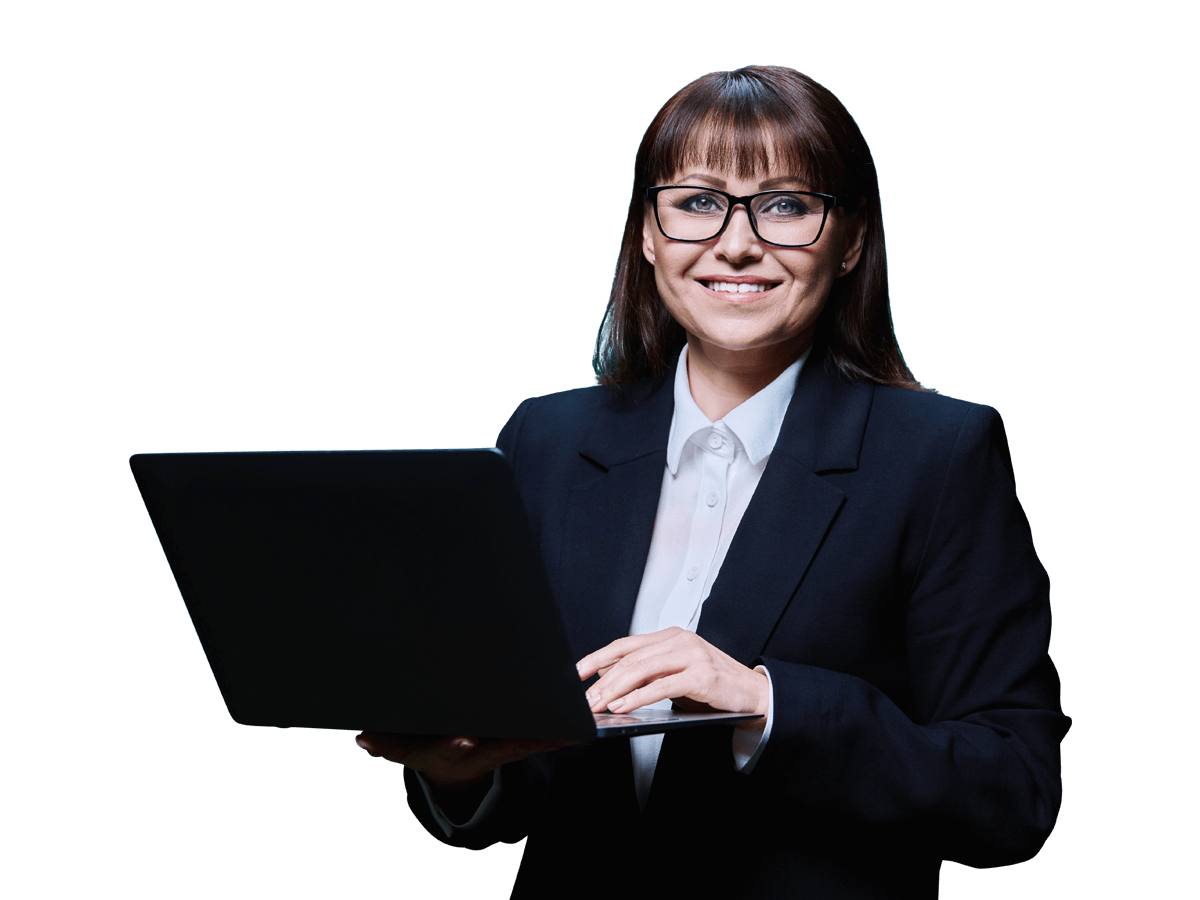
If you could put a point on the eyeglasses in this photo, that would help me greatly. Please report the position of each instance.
(695, 214)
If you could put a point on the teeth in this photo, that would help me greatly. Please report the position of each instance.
(730, 288)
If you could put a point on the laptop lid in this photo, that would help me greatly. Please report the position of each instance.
(391, 590)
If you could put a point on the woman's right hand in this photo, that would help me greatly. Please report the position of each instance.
(451, 762)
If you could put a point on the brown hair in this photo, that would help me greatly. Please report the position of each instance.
(749, 116)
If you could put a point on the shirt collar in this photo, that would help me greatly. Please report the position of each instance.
(755, 423)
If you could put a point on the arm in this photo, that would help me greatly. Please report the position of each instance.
(963, 747)
(974, 763)
(494, 808)
(454, 782)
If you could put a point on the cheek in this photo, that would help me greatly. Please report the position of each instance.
(671, 271)
(813, 278)
(668, 292)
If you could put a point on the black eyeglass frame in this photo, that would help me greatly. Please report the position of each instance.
(829, 201)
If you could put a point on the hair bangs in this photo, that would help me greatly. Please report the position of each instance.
(742, 126)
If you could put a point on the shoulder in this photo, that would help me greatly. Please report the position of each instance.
(567, 418)
(917, 413)
(564, 413)
(579, 401)
(926, 406)
(921, 428)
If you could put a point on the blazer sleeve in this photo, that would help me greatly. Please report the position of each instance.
(522, 788)
(973, 764)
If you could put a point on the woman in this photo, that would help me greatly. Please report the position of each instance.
(760, 510)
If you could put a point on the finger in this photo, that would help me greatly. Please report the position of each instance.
(491, 754)
(602, 659)
(609, 655)
(660, 689)
(416, 751)
(680, 652)
(382, 744)
(636, 670)
(378, 743)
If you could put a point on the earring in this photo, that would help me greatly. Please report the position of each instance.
(843, 265)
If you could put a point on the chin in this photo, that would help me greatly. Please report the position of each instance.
(738, 346)
(744, 344)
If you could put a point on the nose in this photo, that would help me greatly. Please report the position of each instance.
(738, 243)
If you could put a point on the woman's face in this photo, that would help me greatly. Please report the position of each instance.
(703, 284)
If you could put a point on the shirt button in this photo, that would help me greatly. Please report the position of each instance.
(712, 498)
(692, 573)
(716, 441)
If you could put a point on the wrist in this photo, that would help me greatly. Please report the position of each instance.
(459, 800)
(762, 703)
(763, 685)
(456, 785)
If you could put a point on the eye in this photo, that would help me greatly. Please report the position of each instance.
(786, 206)
(698, 203)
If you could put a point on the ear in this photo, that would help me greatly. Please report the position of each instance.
(649, 230)
(856, 229)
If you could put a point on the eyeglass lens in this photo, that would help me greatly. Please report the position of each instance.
(781, 217)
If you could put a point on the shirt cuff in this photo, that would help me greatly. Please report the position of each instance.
(490, 799)
(748, 745)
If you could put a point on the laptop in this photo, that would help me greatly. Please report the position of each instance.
(379, 590)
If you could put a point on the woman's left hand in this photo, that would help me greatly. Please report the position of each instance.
(674, 663)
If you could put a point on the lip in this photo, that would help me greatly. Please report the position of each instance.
(739, 279)
(745, 297)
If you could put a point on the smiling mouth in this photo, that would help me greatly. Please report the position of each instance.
(726, 287)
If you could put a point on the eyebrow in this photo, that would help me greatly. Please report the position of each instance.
(767, 185)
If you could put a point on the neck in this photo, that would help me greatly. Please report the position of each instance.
(722, 380)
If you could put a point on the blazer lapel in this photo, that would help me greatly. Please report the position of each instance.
(792, 509)
(780, 533)
(610, 518)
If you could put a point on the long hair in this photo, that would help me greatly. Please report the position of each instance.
(743, 121)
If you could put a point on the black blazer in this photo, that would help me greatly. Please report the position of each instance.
(885, 575)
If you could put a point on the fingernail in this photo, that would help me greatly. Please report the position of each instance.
(465, 745)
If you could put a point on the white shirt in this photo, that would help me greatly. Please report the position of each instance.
(711, 472)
